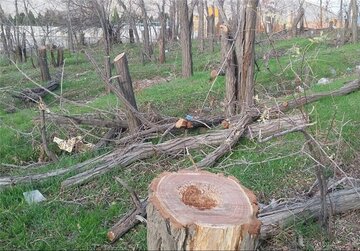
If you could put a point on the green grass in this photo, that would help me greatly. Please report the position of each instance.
(80, 217)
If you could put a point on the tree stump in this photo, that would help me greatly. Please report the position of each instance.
(126, 89)
(44, 68)
(191, 210)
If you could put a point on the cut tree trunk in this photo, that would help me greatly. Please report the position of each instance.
(126, 89)
(191, 210)
(44, 68)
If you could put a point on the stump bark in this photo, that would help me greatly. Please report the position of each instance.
(191, 210)
(44, 68)
(126, 89)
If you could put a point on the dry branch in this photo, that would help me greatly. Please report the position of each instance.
(128, 155)
(298, 102)
(87, 120)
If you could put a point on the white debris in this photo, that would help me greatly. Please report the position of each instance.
(324, 81)
(33, 196)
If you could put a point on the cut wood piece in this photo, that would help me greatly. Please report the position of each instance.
(191, 210)
(181, 123)
(126, 89)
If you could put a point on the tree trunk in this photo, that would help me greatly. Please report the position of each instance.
(185, 37)
(69, 29)
(60, 56)
(354, 19)
(210, 28)
(229, 57)
(44, 68)
(4, 42)
(146, 37)
(131, 36)
(172, 20)
(201, 211)
(245, 51)
(201, 25)
(23, 47)
(162, 34)
(126, 89)
(298, 19)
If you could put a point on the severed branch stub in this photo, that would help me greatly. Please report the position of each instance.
(130, 219)
(191, 210)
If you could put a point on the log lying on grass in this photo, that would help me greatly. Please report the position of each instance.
(191, 210)
(339, 202)
(125, 156)
(35, 94)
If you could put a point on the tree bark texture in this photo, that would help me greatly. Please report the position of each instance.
(162, 33)
(146, 36)
(126, 89)
(44, 68)
(229, 57)
(185, 36)
(201, 25)
(245, 52)
(192, 210)
(354, 20)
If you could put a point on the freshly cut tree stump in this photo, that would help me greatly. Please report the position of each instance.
(196, 210)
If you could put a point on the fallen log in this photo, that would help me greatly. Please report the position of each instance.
(128, 155)
(339, 202)
(34, 94)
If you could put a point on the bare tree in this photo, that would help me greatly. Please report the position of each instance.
(3, 22)
(172, 20)
(354, 19)
(146, 36)
(162, 17)
(210, 20)
(185, 39)
(130, 17)
(201, 25)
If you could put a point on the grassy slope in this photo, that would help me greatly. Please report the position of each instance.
(79, 218)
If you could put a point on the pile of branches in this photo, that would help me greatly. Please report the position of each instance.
(134, 146)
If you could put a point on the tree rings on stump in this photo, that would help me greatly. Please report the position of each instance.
(191, 210)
